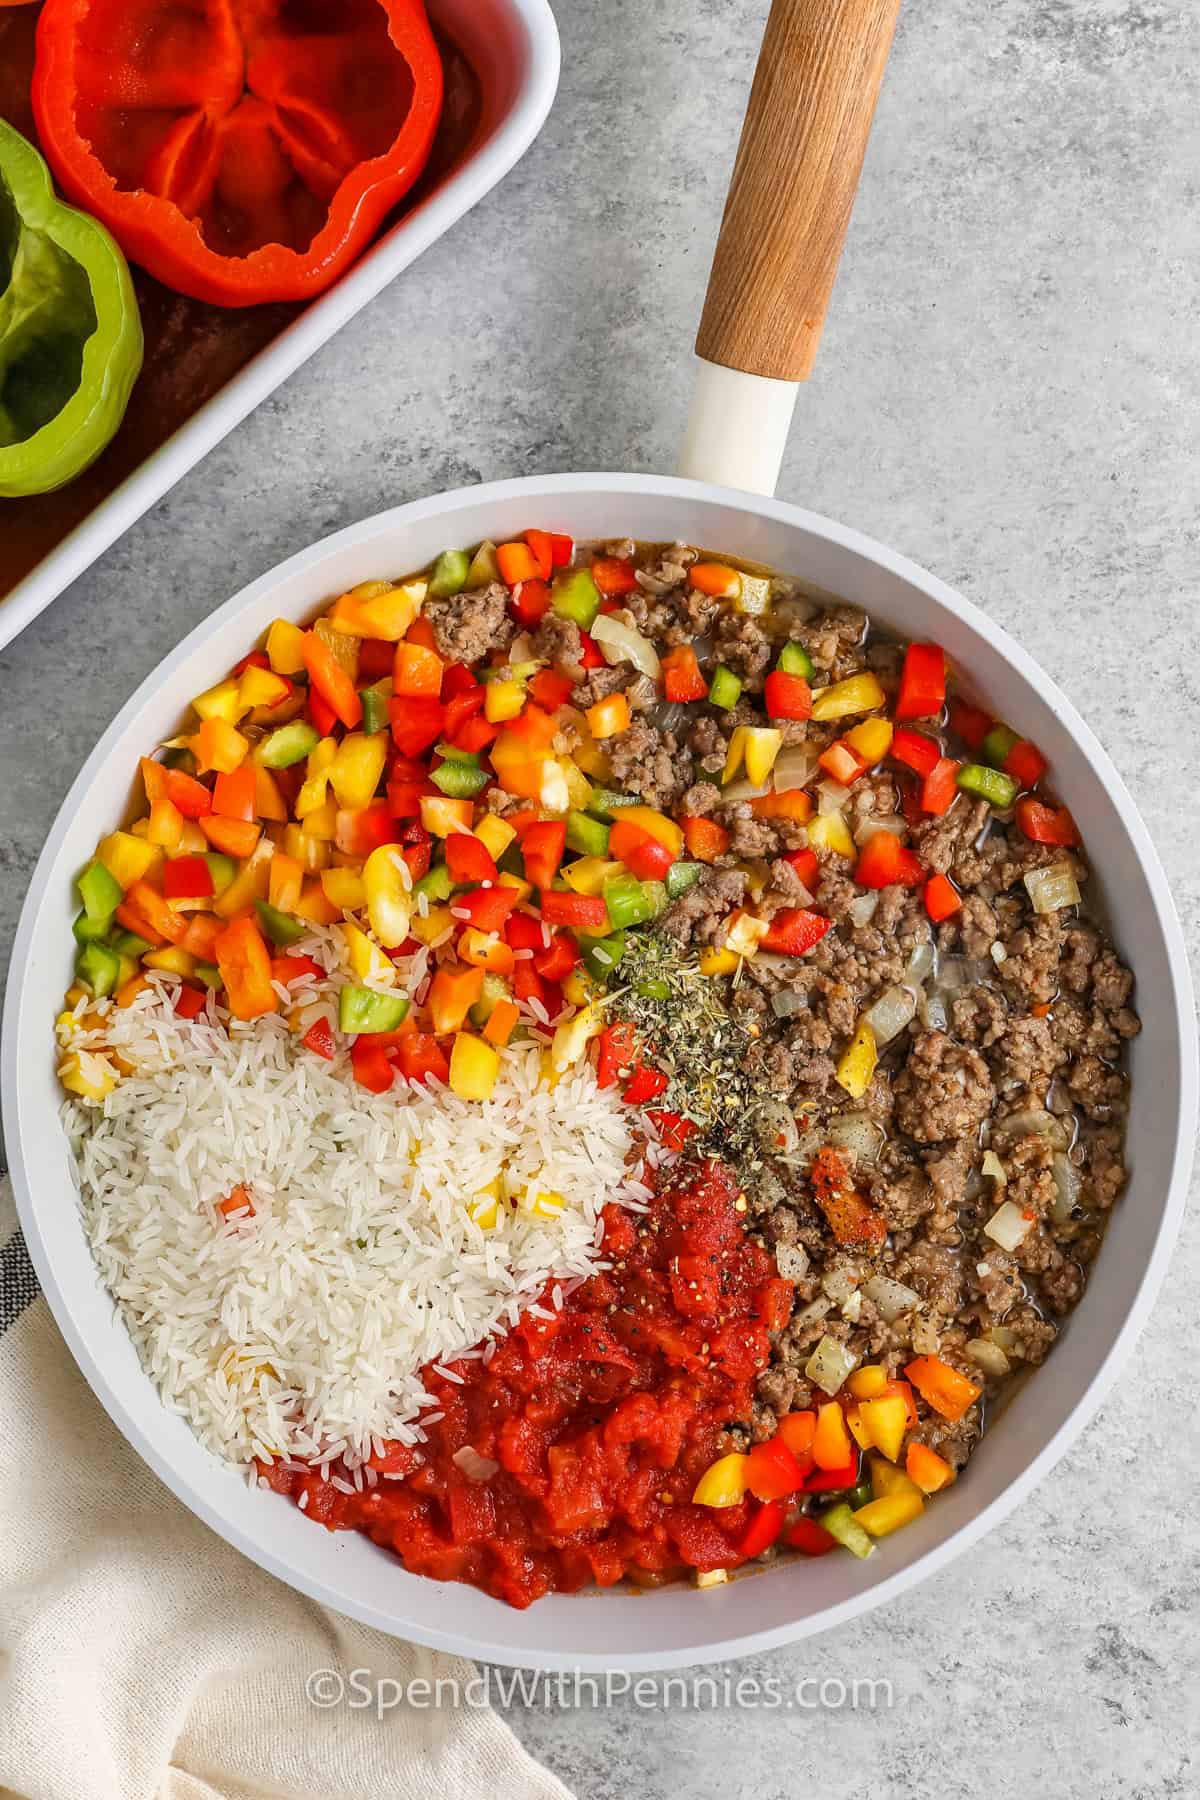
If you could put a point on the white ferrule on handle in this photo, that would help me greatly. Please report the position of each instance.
(738, 427)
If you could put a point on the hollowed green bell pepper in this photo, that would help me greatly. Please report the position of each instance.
(70, 332)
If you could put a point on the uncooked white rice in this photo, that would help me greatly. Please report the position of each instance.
(299, 1332)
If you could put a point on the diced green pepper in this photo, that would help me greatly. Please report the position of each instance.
(602, 954)
(100, 892)
(450, 573)
(460, 780)
(840, 1523)
(90, 931)
(494, 989)
(291, 743)
(576, 597)
(375, 706)
(725, 688)
(795, 660)
(633, 902)
(607, 801)
(221, 868)
(128, 943)
(859, 1496)
(656, 897)
(279, 926)
(997, 789)
(484, 568)
(451, 753)
(210, 975)
(361, 1010)
(99, 968)
(681, 876)
(997, 745)
(588, 836)
(436, 885)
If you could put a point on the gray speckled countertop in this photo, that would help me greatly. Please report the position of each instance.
(1009, 391)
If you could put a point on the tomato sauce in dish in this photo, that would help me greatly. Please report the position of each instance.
(599, 1419)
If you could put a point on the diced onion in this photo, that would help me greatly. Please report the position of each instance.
(988, 1357)
(993, 1168)
(786, 1003)
(792, 1261)
(831, 796)
(839, 1284)
(794, 767)
(1053, 888)
(862, 908)
(1034, 1121)
(852, 1307)
(961, 971)
(810, 1314)
(891, 1297)
(742, 790)
(830, 1364)
(934, 1016)
(474, 1466)
(1003, 1335)
(873, 822)
(919, 966)
(621, 643)
(776, 1129)
(666, 715)
(1008, 1226)
(895, 1008)
(755, 596)
(858, 1133)
(1067, 1182)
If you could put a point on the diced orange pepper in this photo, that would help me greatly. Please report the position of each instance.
(941, 1386)
(797, 1430)
(485, 951)
(236, 837)
(705, 839)
(502, 1023)
(165, 825)
(245, 964)
(831, 1446)
(128, 992)
(421, 632)
(417, 673)
(608, 717)
(452, 995)
(285, 881)
(219, 745)
(795, 804)
(145, 911)
(715, 580)
(234, 794)
(203, 930)
(929, 1470)
(269, 803)
(331, 681)
(517, 562)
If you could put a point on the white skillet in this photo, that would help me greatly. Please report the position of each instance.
(793, 187)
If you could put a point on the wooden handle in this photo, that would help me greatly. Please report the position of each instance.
(794, 181)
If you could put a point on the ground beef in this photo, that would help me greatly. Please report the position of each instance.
(740, 642)
(648, 762)
(750, 836)
(701, 799)
(939, 841)
(468, 626)
(698, 914)
(557, 642)
(709, 744)
(944, 1090)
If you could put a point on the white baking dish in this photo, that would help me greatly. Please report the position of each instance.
(514, 45)
(676, 1625)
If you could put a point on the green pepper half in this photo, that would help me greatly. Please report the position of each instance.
(70, 333)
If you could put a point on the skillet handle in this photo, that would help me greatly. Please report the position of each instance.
(790, 199)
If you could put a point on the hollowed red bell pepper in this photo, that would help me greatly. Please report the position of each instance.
(922, 682)
(240, 153)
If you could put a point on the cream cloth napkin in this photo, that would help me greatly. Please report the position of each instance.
(141, 1658)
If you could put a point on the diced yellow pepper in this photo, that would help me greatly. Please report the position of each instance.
(128, 858)
(315, 786)
(544, 1204)
(723, 1483)
(857, 694)
(554, 793)
(88, 1075)
(495, 834)
(887, 1514)
(503, 700)
(343, 888)
(310, 851)
(322, 823)
(367, 959)
(885, 1420)
(129, 990)
(474, 1067)
(484, 1208)
(315, 906)
(579, 988)
(260, 687)
(657, 824)
(857, 1063)
(285, 648)
(718, 962)
(829, 831)
(192, 841)
(518, 882)
(744, 933)
(756, 746)
(75, 993)
(376, 609)
(710, 1578)
(589, 874)
(868, 1381)
(755, 596)
(435, 923)
(221, 702)
(831, 1440)
(252, 882)
(573, 1036)
(355, 770)
(579, 788)
(886, 1478)
(165, 825)
(871, 740)
(443, 817)
(171, 960)
(388, 904)
(858, 1430)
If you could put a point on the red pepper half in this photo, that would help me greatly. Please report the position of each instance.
(240, 153)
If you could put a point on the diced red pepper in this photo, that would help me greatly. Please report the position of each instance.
(487, 908)
(1046, 824)
(457, 679)
(421, 632)
(787, 696)
(420, 1056)
(190, 1002)
(416, 724)
(562, 548)
(474, 735)
(320, 1040)
(646, 1084)
(772, 1472)
(942, 898)
(616, 1053)
(234, 794)
(806, 866)
(551, 689)
(534, 727)
(292, 968)
(542, 545)
(561, 955)
(1025, 763)
(320, 712)
(236, 837)
(590, 654)
(841, 762)
(763, 1529)
(580, 912)
(254, 659)
(530, 603)
(915, 750)
(330, 680)
(468, 859)
(358, 833)
(809, 1537)
(418, 857)
(186, 794)
(187, 878)
(793, 931)
(922, 682)
(826, 1481)
(145, 911)
(372, 1066)
(970, 723)
(884, 862)
(376, 660)
(940, 786)
(614, 576)
(542, 848)
(705, 839)
(404, 798)
(643, 855)
(682, 680)
(525, 932)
